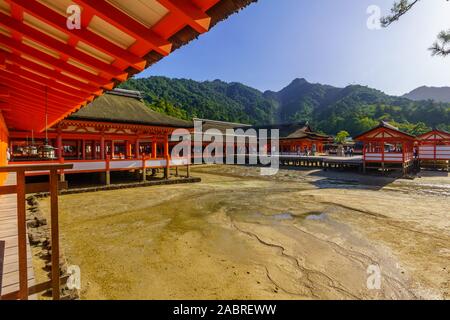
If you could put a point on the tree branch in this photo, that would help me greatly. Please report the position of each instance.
(441, 46)
(398, 10)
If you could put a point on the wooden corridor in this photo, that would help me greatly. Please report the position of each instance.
(9, 265)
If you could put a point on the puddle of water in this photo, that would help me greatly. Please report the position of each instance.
(340, 184)
(317, 216)
(283, 216)
(288, 216)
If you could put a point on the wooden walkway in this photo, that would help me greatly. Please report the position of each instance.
(324, 162)
(9, 266)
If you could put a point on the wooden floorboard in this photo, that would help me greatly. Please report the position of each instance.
(9, 267)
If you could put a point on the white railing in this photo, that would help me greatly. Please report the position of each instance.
(388, 157)
(429, 153)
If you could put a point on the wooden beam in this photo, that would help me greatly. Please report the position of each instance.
(2, 61)
(55, 75)
(59, 21)
(22, 235)
(54, 62)
(61, 47)
(32, 92)
(4, 92)
(35, 167)
(190, 13)
(31, 188)
(18, 83)
(127, 24)
(35, 109)
(48, 82)
(38, 105)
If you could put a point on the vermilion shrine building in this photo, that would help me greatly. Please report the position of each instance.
(116, 132)
(434, 146)
(386, 147)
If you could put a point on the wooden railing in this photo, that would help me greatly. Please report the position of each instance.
(22, 189)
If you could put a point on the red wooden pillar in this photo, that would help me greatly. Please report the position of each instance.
(22, 242)
(83, 151)
(127, 149)
(136, 149)
(404, 152)
(154, 148)
(94, 149)
(166, 156)
(11, 151)
(112, 149)
(144, 169)
(102, 148)
(107, 171)
(166, 146)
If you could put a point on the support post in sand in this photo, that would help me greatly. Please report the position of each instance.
(107, 172)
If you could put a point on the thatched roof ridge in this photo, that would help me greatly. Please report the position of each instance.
(119, 108)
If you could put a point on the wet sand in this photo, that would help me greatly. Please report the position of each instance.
(236, 235)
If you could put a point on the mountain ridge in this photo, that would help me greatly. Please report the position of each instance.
(354, 108)
(438, 94)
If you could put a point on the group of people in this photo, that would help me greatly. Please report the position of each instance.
(307, 151)
(349, 151)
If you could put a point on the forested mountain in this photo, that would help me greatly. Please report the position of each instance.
(437, 94)
(329, 109)
(215, 100)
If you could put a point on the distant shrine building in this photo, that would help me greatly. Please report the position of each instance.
(299, 139)
(434, 146)
(386, 147)
(294, 138)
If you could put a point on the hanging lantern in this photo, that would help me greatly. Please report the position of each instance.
(47, 152)
(33, 151)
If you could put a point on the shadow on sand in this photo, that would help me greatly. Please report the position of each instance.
(351, 180)
(433, 174)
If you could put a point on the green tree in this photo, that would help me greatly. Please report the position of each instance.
(341, 137)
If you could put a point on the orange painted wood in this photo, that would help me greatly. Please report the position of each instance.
(48, 82)
(22, 236)
(62, 48)
(59, 21)
(190, 13)
(54, 62)
(34, 167)
(128, 25)
(54, 233)
(55, 75)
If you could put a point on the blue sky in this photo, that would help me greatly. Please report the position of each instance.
(272, 42)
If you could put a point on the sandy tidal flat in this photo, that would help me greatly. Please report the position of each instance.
(236, 235)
